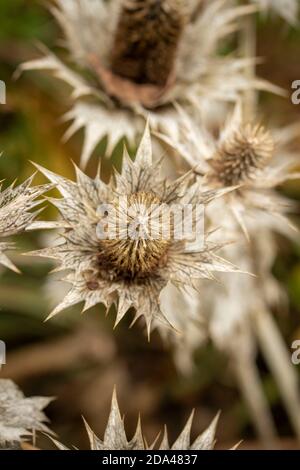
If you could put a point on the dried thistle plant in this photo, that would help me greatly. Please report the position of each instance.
(242, 156)
(140, 56)
(258, 161)
(125, 270)
(245, 155)
(15, 216)
(20, 416)
(115, 436)
(132, 59)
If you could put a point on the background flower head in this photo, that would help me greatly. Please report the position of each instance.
(16, 203)
(127, 66)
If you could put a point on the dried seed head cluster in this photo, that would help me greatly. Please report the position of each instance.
(137, 256)
(242, 156)
(245, 155)
(115, 436)
(19, 416)
(147, 39)
(143, 55)
(129, 271)
(15, 215)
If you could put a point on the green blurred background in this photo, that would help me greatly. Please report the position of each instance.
(77, 358)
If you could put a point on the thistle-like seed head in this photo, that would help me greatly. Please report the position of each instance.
(146, 40)
(123, 241)
(242, 156)
(146, 249)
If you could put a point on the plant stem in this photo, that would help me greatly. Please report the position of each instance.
(248, 51)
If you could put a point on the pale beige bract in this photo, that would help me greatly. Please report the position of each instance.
(115, 436)
(20, 416)
(16, 203)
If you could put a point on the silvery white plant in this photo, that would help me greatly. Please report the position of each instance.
(20, 417)
(122, 69)
(237, 315)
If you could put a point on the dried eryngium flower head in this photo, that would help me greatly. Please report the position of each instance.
(141, 248)
(143, 55)
(15, 215)
(146, 40)
(115, 436)
(19, 416)
(246, 155)
(242, 155)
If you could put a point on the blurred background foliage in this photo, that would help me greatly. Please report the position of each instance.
(77, 358)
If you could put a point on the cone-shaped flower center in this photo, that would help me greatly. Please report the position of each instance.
(146, 40)
(242, 156)
(139, 235)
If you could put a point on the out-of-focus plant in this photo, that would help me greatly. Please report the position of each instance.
(131, 59)
(258, 161)
(288, 9)
(19, 416)
(15, 215)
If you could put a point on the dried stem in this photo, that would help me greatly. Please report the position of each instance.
(276, 354)
(250, 385)
(248, 51)
(279, 361)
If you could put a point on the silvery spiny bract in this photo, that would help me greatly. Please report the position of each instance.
(16, 203)
(115, 436)
(20, 417)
